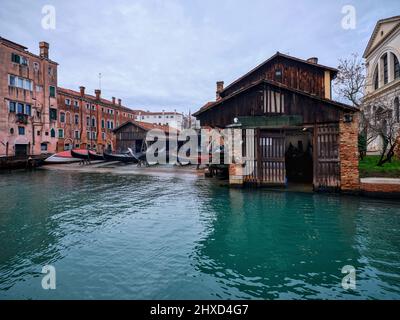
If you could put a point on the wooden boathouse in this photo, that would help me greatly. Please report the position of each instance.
(285, 109)
(132, 134)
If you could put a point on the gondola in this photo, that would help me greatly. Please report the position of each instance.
(95, 156)
(121, 157)
(62, 157)
(80, 154)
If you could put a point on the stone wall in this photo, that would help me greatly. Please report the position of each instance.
(349, 157)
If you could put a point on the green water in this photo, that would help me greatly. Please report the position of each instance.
(171, 237)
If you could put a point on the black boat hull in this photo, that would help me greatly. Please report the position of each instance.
(120, 157)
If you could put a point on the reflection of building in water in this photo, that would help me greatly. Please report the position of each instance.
(269, 244)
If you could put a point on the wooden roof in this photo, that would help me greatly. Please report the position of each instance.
(275, 84)
(285, 56)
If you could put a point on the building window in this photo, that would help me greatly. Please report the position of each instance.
(52, 91)
(11, 106)
(62, 117)
(397, 109)
(60, 133)
(376, 79)
(76, 104)
(88, 135)
(76, 134)
(385, 68)
(76, 119)
(21, 83)
(19, 59)
(43, 147)
(21, 131)
(103, 125)
(93, 121)
(52, 133)
(103, 135)
(94, 135)
(53, 114)
(396, 67)
(28, 109)
(20, 108)
(67, 102)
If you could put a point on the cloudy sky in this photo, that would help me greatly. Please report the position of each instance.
(168, 54)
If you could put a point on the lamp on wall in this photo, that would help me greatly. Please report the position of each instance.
(347, 118)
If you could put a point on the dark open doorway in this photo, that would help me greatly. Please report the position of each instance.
(299, 156)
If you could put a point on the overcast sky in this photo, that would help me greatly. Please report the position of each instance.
(168, 54)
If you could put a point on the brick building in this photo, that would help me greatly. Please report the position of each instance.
(37, 116)
(87, 121)
(28, 88)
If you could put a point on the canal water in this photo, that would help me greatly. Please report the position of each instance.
(147, 237)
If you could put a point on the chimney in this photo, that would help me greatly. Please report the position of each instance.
(119, 102)
(82, 90)
(113, 100)
(313, 60)
(98, 93)
(220, 88)
(44, 49)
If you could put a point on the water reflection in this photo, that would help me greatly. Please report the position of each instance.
(289, 245)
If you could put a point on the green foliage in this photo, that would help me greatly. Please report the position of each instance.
(368, 168)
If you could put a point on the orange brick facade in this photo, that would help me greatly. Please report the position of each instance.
(27, 92)
(37, 117)
(349, 157)
(87, 121)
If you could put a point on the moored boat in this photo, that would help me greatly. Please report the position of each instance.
(95, 156)
(62, 157)
(121, 157)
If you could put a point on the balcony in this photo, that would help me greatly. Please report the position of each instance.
(21, 118)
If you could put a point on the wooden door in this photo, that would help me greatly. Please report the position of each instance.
(326, 157)
(271, 157)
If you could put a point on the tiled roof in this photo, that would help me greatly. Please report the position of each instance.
(148, 126)
(77, 95)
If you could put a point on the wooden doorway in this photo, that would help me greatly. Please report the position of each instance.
(326, 157)
(271, 157)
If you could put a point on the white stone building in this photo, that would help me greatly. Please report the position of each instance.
(172, 119)
(382, 57)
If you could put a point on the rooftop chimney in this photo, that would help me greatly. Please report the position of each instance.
(44, 49)
(113, 100)
(313, 60)
(82, 90)
(119, 102)
(220, 88)
(98, 93)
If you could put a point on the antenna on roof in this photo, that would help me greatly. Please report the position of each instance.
(100, 80)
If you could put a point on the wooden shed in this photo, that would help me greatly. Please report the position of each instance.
(300, 135)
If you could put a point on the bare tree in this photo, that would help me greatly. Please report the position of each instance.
(349, 86)
(382, 123)
(350, 81)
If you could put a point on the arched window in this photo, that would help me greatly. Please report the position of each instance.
(52, 133)
(376, 79)
(76, 119)
(396, 66)
(397, 109)
(62, 117)
(93, 121)
(385, 69)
